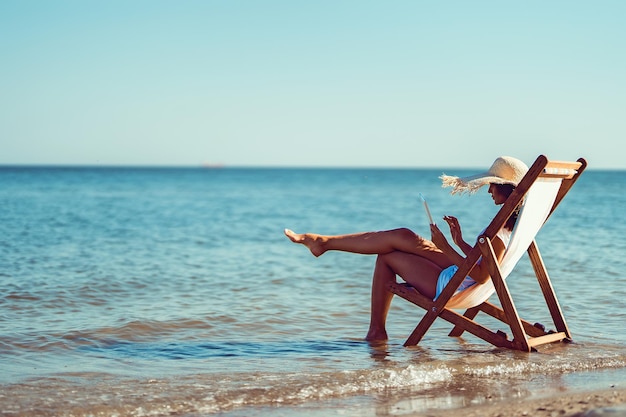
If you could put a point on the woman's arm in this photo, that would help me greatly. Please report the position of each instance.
(479, 272)
(457, 235)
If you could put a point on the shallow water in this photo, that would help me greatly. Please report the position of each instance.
(174, 291)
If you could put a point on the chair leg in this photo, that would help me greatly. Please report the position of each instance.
(412, 295)
(470, 313)
(418, 333)
(547, 289)
(512, 317)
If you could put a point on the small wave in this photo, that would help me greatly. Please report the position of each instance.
(228, 392)
(239, 390)
(287, 373)
(132, 332)
(141, 330)
(210, 393)
(203, 349)
(22, 297)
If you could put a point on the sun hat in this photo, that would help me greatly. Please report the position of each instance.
(504, 170)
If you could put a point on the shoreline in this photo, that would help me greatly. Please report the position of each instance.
(609, 402)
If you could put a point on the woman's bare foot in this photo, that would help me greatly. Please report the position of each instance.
(315, 243)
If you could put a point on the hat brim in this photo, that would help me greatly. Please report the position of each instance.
(472, 183)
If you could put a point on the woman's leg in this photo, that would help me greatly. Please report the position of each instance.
(372, 243)
(380, 300)
(421, 273)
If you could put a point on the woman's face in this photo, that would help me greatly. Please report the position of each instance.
(496, 194)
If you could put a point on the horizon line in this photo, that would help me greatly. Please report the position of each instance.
(210, 167)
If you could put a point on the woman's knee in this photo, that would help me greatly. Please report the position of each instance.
(382, 259)
(392, 261)
(407, 240)
(406, 234)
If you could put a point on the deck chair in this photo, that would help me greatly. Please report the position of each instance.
(539, 193)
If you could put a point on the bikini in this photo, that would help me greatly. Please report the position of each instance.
(446, 275)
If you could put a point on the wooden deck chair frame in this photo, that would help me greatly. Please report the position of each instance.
(525, 335)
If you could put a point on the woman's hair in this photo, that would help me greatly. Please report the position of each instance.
(506, 190)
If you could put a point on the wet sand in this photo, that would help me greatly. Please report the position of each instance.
(604, 403)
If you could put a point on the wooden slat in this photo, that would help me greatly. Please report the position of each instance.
(561, 169)
(564, 164)
(549, 338)
(498, 313)
(477, 330)
(470, 313)
(410, 294)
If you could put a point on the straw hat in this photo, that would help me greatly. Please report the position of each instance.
(504, 170)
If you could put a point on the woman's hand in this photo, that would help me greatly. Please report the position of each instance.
(457, 235)
(437, 237)
(455, 229)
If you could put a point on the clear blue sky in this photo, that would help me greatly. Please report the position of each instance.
(319, 83)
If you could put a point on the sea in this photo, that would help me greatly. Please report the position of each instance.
(170, 291)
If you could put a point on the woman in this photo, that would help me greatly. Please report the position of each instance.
(427, 265)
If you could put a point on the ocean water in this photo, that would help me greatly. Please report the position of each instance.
(145, 291)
